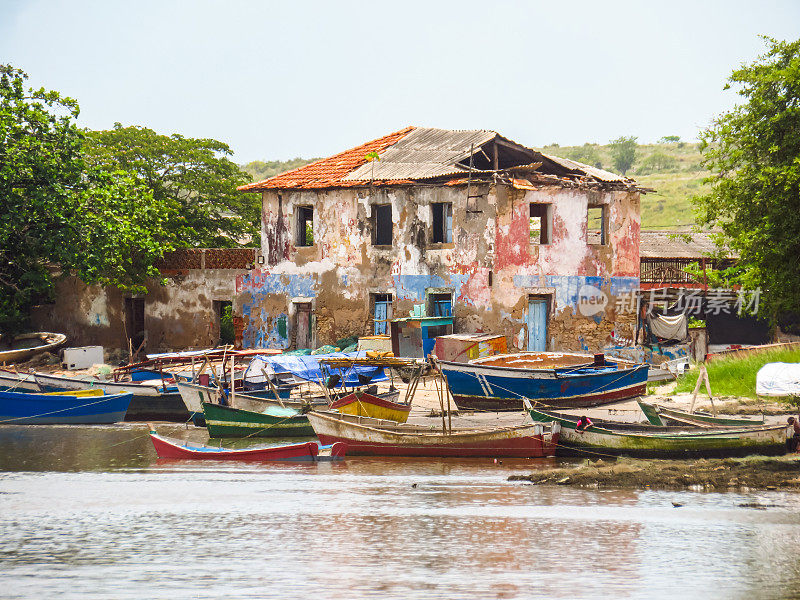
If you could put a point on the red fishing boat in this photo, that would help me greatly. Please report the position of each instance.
(378, 437)
(307, 451)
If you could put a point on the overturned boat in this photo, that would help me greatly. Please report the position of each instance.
(558, 379)
(22, 347)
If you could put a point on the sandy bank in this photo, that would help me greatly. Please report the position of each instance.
(754, 472)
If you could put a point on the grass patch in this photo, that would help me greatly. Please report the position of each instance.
(736, 376)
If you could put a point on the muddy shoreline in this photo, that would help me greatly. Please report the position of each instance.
(752, 472)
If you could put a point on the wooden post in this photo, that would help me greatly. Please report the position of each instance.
(439, 390)
(273, 388)
(708, 389)
(233, 383)
(702, 377)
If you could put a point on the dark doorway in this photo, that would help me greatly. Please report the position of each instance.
(134, 324)
(223, 310)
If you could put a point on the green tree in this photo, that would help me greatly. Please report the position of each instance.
(623, 153)
(657, 162)
(753, 152)
(192, 174)
(669, 139)
(57, 212)
(586, 154)
(260, 170)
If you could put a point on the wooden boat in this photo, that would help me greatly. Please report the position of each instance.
(599, 441)
(151, 401)
(27, 345)
(379, 437)
(307, 451)
(499, 383)
(11, 380)
(661, 415)
(224, 421)
(23, 408)
(367, 405)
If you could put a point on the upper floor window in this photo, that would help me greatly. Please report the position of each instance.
(382, 224)
(442, 223)
(597, 224)
(539, 223)
(305, 226)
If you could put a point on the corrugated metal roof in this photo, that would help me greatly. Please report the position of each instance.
(422, 154)
(671, 244)
(588, 169)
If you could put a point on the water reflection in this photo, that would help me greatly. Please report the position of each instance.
(90, 513)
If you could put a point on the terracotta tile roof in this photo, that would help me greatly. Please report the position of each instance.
(328, 172)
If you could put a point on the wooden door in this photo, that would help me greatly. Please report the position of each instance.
(303, 321)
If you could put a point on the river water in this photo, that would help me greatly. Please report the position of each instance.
(90, 512)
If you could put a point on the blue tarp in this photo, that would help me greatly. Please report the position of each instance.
(308, 368)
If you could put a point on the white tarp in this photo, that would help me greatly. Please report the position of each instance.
(778, 379)
(669, 328)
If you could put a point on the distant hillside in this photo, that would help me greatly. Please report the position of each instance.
(672, 169)
(261, 170)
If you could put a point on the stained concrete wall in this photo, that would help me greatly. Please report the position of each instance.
(491, 267)
(177, 316)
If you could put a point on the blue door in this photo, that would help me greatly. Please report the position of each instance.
(381, 316)
(537, 324)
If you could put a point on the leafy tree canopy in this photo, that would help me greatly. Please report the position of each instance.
(194, 175)
(753, 152)
(261, 170)
(55, 209)
(623, 153)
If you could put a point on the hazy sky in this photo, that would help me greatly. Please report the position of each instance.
(279, 80)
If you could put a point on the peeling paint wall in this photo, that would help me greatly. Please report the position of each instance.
(177, 316)
(491, 267)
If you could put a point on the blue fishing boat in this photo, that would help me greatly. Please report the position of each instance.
(554, 379)
(18, 408)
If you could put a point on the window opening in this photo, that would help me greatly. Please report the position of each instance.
(305, 225)
(382, 224)
(441, 305)
(596, 225)
(442, 222)
(540, 223)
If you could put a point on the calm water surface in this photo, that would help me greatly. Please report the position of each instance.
(89, 512)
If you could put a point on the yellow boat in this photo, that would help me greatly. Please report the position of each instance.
(367, 405)
(77, 393)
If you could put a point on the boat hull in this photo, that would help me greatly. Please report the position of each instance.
(599, 441)
(10, 380)
(367, 405)
(307, 451)
(148, 402)
(47, 341)
(379, 438)
(657, 414)
(480, 387)
(224, 421)
(21, 408)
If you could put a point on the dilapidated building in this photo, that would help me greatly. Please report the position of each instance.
(511, 240)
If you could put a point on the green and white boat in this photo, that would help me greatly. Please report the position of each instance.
(658, 414)
(273, 421)
(694, 442)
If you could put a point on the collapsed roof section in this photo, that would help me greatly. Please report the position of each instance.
(419, 155)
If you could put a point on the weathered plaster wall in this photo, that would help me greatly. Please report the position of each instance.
(177, 316)
(491, 266)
